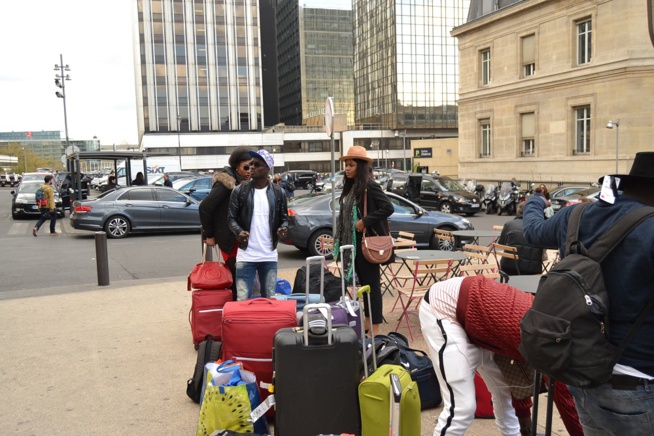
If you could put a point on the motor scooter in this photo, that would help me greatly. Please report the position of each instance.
(490, 198)
(507, 199)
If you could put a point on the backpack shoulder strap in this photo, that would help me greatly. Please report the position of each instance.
(573, 226)
(618, 231)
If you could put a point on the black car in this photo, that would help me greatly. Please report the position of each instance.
(23, 203)
(67, 188)
(435, 193)
(304, 179)
(310, 217)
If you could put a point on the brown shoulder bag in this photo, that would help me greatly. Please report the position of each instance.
(376, 249)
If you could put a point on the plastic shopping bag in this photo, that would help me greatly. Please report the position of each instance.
(231, 393)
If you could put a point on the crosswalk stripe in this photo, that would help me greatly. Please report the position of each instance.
(18, 228)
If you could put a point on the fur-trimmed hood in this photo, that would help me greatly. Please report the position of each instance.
(225, 178)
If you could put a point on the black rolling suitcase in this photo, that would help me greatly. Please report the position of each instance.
(316, 384)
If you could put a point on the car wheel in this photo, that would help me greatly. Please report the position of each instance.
(117, 227)
(499, 211)
(446, 207)
(440, 244)
(316, 248)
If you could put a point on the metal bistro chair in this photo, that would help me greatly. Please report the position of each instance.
(477, 254)
(446, 240)
(405, 241)
(416, 289)
(507, 252)
(327, 245)
(487, 270)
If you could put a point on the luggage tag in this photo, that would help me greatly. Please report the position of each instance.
(349, 308)
(262, 408)
(609, 189)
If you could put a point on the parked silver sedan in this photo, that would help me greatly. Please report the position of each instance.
(120, 212)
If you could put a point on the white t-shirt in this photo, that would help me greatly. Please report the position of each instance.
(260, 240)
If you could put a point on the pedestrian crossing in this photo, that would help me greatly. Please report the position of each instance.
(24, 227)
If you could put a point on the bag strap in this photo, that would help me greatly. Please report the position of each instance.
(204, 253)
(618, 231)
(573, 226)
(632, 330)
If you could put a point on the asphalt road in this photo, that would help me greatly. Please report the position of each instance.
(67, 263)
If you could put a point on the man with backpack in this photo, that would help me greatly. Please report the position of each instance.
(46, 203)
(620, 401)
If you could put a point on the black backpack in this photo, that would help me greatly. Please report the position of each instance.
(565, 334)
(208, 351)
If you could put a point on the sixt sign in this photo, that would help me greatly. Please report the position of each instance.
(422, 152)
(156, 169)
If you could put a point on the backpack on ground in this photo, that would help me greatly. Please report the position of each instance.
(332, 283)
(208, 351)
(41, 199)
(565, 334)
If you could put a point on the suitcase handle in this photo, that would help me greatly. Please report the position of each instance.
(260, 301)
(316, 259)
(305, 315)
(366, 290)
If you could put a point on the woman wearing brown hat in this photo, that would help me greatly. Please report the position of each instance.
(351, 222)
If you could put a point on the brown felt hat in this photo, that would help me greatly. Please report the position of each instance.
(356, 152)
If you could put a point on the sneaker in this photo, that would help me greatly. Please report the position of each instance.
(55, 233)
(34, 231)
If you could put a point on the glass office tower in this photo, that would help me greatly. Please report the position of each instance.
(406, 62)
(198, 66)
(315, 58)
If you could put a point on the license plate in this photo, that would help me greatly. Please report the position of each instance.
(476, 205)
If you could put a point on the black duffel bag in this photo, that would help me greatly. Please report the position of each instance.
(422, 371)
(333, 288)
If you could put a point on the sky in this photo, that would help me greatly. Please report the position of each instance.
(95, 39)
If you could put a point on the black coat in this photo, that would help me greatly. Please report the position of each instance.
(379, 209)
(213, 210)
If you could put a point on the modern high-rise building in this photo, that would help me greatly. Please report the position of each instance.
(406, 63)
(314, 58)
(198, 66)
(46, 143)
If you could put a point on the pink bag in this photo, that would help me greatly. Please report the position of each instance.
(209, 274)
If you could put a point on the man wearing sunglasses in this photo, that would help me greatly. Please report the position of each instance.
(258, 217)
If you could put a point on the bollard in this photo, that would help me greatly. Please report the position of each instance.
(102, 258)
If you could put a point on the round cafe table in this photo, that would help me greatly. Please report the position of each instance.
(474, 234)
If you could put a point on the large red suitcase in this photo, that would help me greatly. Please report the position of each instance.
(206, 314)
(248, 331)
(484, 400)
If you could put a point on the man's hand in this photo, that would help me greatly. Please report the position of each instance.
(210, 242)
(243, 236)
(282, 232)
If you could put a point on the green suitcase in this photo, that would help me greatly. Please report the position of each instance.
(375, 402)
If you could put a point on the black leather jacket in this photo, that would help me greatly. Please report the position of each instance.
(241, 208)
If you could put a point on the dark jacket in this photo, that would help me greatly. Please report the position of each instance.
(379, 209)
(628, 270)
(213, 209)
(530, 258)
(241, 208)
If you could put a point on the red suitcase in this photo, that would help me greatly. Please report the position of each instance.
(206, 314)
(248, 331)
(484, 400)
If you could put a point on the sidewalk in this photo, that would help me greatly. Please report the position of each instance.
(114, 361)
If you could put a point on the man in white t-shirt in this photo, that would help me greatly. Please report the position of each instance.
(258, 217)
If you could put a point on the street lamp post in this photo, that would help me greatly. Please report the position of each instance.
(60, 82)
(617, 139)
(25, 158)
(179, 144)
(397, 133)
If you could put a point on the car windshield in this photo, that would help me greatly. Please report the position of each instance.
(30, 187)
(450, 185)
(506, 187)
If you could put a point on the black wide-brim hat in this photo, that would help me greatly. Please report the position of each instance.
(642, 170)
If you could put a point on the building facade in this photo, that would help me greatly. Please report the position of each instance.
(540, 83)
(46, 143)
(406, 62)
(315, 59)
(198, 66)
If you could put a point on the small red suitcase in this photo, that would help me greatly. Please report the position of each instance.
(484, 400)
(206, 314)
(248, 331)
